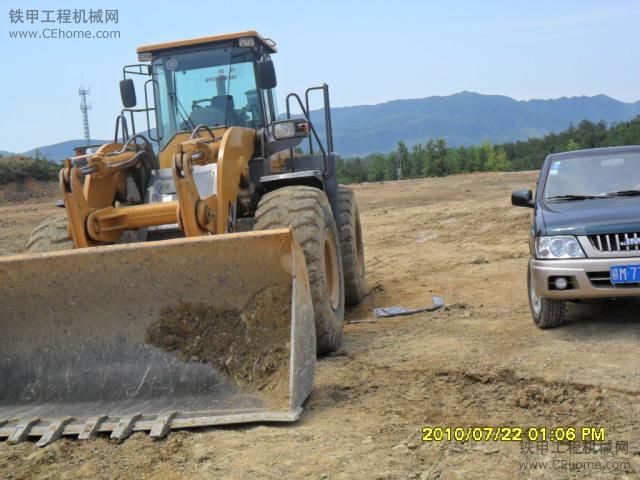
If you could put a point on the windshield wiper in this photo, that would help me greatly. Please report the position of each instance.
(624, 193)
(574, 197)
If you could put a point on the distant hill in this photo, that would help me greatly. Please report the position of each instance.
(464, 118)
(62, 150)
(58, 151)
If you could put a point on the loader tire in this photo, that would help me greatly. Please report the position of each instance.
(307, 211)
(351, 246)
(50, 235)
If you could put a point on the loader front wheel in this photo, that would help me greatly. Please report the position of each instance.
(351, 246)
(307, 211)
(50, 235)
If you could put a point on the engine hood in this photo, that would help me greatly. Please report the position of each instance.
(591, 217)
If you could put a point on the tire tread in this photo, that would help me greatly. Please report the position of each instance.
(348, 217)
(307, 211)
(50, 235)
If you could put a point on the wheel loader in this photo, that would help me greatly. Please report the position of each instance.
(198, 266)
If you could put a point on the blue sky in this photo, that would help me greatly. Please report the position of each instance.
(368, 51)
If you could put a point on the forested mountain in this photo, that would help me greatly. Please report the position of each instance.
(465, 118)
(435, 158)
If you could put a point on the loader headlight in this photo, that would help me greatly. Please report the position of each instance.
(249, 42)
(283, 130)
(565, 246)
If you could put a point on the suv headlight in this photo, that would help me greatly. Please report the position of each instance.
(558, 247)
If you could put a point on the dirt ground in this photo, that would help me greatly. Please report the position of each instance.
(478, 362)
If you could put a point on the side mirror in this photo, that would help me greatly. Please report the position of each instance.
(128, 93)
(522, 198)
(266, 74)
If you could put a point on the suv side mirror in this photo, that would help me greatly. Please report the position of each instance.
(128, 93)
(266, 74)
(522, 198)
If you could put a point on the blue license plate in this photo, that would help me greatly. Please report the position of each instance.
(625, 274)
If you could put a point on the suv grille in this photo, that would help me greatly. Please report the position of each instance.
(616, 242)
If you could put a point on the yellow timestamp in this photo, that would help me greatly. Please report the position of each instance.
(513, 434)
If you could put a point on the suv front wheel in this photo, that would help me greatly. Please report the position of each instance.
(546, 313)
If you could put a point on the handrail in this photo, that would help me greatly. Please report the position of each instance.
(144, 70)
(313, 130)
(148, 109)
(196, 131)
(327, 115)
(121, 119)
(140, 66)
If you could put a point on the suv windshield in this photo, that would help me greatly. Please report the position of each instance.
(601, 176)
(211, 87)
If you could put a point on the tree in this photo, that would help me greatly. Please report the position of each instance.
(497, 161)
(484, 152)
(379, 168)
(402, 154)
(462, 156)
(572, 145)
(436, 158)
(351, 170)
(416, 161)
(473, 159)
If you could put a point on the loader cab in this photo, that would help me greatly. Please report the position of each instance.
(213, 87)
(221, 81)
(212, 83)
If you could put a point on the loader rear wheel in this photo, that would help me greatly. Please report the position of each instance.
(351, 246)
(50, 235)
(308, 212)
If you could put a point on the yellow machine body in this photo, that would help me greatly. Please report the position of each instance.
(211, 328)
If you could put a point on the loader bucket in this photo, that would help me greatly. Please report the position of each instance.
(154, 336)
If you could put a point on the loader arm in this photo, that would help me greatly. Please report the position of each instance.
(98, 191)
(233, 163)
(95, 220)
(216, 213)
